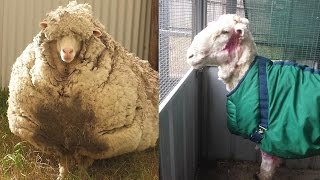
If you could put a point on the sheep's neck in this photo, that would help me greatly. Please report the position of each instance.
(232, 71)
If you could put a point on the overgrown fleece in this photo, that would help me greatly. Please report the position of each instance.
(102, 104)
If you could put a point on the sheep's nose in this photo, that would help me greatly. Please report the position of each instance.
(190, 53)
(68, 50)
(239, 31)
(190, 56)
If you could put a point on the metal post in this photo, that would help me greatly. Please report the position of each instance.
(199, 20)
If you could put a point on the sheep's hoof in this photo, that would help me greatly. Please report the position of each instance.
(60, 177)
(259, 176)
(63, 171)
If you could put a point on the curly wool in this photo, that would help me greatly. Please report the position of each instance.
(102, 104)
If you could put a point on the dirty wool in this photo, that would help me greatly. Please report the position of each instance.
(100, 105)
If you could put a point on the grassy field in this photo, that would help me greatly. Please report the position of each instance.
(19, 160)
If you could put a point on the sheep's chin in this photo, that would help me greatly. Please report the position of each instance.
(197, 64)
(67, 60)
(218, 58)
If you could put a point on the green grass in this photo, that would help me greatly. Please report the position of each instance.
(15, 159)
(19, 160)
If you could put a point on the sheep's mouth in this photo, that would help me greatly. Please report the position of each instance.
(232, 44)
(198, 63)
(67, 60)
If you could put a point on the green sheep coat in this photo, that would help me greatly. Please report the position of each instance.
(287, 96)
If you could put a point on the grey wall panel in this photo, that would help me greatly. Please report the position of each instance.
(179, 131)
(128, 21)
(220, 142)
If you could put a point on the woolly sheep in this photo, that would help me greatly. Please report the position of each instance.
(267, 101)
(79, 95)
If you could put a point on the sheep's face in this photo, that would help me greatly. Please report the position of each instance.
(68, 47)
(217, 43)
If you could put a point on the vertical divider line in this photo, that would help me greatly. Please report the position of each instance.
(2, 25)
(199, 22)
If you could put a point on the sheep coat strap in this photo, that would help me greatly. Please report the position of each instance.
(293, 108)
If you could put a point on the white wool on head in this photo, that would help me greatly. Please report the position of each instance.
(207, 48)
(74, 19)
(225, 42)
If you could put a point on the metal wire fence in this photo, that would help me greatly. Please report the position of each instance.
(282, 29)
(175, 31)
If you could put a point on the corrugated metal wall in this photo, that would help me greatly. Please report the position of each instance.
(218, 141)
(128, 21)
(179, 130)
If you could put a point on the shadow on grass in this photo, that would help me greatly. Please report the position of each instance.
(4, 93)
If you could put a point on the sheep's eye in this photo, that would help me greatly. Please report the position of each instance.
(224, 32)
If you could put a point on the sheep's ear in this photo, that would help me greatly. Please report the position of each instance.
(43, 25)
(237, 18)
(245, 21)
(97, 33)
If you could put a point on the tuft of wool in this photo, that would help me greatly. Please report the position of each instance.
(102, 104)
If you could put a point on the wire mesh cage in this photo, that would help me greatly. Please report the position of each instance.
(216, 8)
(282, 29)
(175, 36)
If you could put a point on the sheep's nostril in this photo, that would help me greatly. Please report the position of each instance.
(239, 31)
(191, 56)
(67, 50)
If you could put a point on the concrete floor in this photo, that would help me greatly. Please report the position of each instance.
(245, 170)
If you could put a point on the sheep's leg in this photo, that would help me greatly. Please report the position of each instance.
(63, 167)
(268, 166)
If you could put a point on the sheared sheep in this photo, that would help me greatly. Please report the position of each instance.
(79, 95)
(274, 104)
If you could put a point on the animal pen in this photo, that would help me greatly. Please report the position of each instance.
(193, 130)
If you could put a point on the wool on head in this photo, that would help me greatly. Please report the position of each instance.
(74, 19)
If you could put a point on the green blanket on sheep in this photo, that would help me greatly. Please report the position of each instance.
(293, 108)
